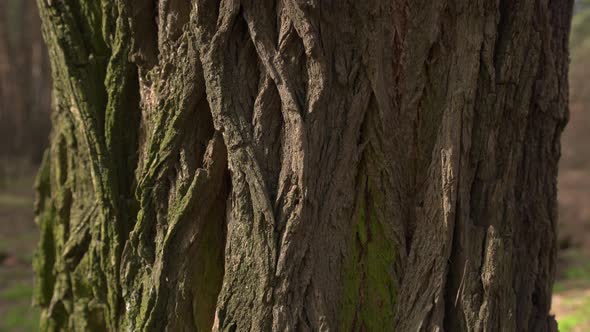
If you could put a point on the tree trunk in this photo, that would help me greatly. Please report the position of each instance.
(7, 88)
(259, 165)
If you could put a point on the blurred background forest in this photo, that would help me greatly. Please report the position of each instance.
(25, 105)
(25, 108)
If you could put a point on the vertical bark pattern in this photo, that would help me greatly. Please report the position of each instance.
(244, 165)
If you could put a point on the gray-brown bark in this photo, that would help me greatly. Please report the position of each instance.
(302, 165)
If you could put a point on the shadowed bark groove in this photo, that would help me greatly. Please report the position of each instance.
(243, 165)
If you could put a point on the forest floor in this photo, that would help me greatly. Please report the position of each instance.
(571, 300)
(571, 297)
(19, 235)
(18, 239)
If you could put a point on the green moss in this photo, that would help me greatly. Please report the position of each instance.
(377, 310)
(44, 259)
(370, 286)
(92, 165)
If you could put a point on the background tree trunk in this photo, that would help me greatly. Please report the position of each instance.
(25, 92)
(7, 90)
(302, 165)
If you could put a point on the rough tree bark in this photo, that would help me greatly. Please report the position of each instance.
(260, 165)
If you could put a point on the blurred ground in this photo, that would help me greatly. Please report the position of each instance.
(571, 298)
(18, 237)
